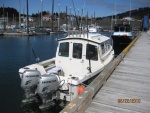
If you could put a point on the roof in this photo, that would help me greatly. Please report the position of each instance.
(122, 25)
(47, 15)
(92, 37)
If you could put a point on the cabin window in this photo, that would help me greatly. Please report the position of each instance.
(121, 28)
(91, 52)
(64, 49)
(128, 29)
(77, 50)
(116, 29)
(108, 43)
(103, 48)
(106, 46)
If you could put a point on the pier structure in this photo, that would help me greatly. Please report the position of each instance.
(122, 87)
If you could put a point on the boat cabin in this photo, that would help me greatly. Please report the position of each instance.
(122, 28)
(80, 56)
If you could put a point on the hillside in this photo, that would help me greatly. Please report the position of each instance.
(137, 14)
(9, 11)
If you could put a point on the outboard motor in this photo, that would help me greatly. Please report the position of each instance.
(29, 81)
(47, 89)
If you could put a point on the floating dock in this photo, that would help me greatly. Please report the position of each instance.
(122, 87)
(18, 34)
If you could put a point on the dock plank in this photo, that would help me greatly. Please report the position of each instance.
(104, 108)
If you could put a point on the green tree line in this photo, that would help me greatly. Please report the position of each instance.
(10, 11)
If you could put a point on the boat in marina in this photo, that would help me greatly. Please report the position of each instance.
(79, 58)
(122, 34)
(97, 27)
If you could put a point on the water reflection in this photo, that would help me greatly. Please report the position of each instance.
(34, 108)
(16, 52)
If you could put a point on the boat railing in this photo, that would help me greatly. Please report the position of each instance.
(76, 33)
(46, 63)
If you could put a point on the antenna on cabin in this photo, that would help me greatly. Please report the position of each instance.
(35, 56)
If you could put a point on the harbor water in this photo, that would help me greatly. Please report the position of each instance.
(17, 52)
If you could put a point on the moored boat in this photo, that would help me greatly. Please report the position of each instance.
(122, 34)
(79, 57)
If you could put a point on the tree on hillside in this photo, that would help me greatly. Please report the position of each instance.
(10, 11)
(39, 14)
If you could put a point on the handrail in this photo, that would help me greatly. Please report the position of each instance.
(76, 33)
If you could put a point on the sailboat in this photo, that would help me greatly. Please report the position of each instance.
(80, 57)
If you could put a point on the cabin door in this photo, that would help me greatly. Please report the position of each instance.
(63, 57)
(77, 60)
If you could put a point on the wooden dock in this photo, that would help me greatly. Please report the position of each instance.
(122, 87)
(128, 88)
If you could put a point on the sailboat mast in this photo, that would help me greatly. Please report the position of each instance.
(75, 14)
(115, 13)
(130, 14)
(19, 16)
(112, 21)
(87, 24)
(94, 18)
(27, 18)
(42, 14)
(82, 14)
(52, 13)
(66, 18)
(81, 19)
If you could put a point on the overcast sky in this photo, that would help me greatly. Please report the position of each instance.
(100, 7)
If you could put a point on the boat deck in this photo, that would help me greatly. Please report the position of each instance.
(128, 88)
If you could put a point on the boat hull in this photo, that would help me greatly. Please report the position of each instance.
(117, 40)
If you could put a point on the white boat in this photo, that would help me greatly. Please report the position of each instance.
(122, 34)
(79, 57)
(97, 27)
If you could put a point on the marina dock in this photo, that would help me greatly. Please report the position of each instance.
(122, 87)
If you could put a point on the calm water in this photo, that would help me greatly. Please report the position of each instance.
(16, 52)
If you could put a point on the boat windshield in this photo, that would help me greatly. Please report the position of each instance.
(77, 50)
(64, 49)
(122, 28)
(116, 29)
(128, 29)
(91, 52)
